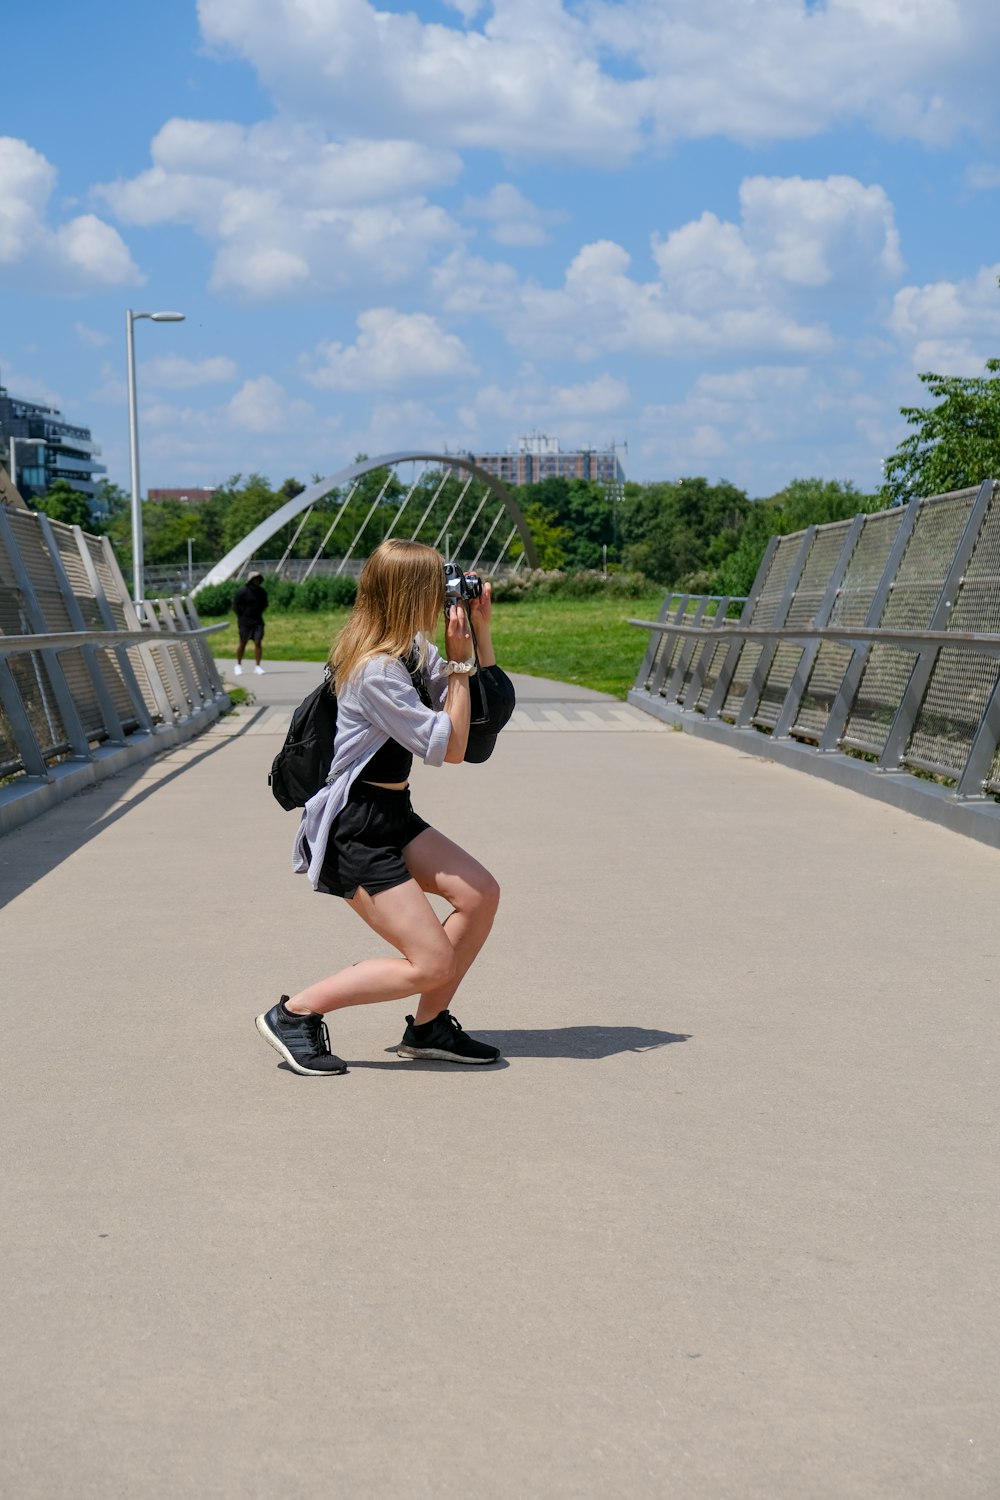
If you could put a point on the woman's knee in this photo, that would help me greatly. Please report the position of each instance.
(436, 967)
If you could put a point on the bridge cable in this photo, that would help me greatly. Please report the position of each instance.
(451, 514)
(333, 525)
(361, 529)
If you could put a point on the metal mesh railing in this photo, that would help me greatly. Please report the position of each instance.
(78, 668)
(878, 636)
(763, 608)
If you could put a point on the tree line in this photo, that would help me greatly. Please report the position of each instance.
(686, 532)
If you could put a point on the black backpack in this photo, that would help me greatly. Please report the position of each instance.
(302, 764)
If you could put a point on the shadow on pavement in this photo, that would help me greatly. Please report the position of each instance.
(579, 1041)
(63, 829)
(563, 1041)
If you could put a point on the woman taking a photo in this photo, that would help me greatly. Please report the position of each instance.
(360, 838)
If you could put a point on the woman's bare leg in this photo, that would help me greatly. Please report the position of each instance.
(446, 869)
(406, 919)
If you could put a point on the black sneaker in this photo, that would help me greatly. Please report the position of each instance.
(303, 1041)
(443, 1040)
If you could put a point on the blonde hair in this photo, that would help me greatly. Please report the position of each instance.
(400, 596)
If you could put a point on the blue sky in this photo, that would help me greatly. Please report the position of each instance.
(725, 233)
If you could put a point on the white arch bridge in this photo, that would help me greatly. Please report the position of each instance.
(480, 509)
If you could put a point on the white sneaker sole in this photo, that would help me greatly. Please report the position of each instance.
(438, 1054)
(296, 1067)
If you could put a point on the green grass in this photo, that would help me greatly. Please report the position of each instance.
(570, 640)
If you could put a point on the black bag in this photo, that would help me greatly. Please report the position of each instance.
(302, 764)
(493, 702)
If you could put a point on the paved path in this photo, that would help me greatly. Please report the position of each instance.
(722, 1227)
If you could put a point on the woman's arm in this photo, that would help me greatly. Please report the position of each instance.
(480, 611)
(457, 703)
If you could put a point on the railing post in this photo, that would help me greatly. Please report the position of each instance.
(707, 652)
(972, 782)
(851, 681)
(187, 612)
(755, 687)
(154, 672)
(803, 671)
(661, 665)
(721, 689)
(684, 656)
(913, 694)
(656, 643)
(68, 712)
(112, 723)
(192, 687)
(121, 652)
(28, 747)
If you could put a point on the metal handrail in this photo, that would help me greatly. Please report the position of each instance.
(65, 640)
(911, 640)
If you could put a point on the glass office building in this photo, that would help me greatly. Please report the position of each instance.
(61, 449)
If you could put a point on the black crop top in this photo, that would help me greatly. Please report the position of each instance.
(391, 762)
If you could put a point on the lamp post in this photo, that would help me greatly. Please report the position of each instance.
(138, 579)
(31, 442)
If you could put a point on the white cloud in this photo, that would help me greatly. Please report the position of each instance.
(392, 349)
(721, 286)
(532, 403)
(795, 232)
(289, 212)
(82, 254)
(262, 405)
(529, 81)
(174, 372)
(95, 338)
(513, 218)
(982, 177)
(950, 327)
(782, 421)
(549, 79)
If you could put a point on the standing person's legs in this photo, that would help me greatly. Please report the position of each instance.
(240, 649)
(258, 640)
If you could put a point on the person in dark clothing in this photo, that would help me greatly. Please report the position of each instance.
(250, 603)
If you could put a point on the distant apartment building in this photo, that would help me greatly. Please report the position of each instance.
(193, 495)
(537, 458)
(46, 448)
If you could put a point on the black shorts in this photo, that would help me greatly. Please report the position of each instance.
(366, 842)
(250, 630)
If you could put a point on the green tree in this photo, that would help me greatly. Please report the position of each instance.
(63, 503)
(676, 529)
(249, 504)
(954, 444)
(549, 537)
(802, 503)
(111, 499)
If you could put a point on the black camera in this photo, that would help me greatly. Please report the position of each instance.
(460, 587)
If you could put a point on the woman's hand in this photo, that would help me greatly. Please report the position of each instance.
(457, 636)
(480, 609)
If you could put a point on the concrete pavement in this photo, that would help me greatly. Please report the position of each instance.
(722, 1226)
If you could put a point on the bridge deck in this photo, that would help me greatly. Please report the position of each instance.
(723, 1225)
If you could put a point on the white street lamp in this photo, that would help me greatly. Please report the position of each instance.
(29, 442)
(138, 578)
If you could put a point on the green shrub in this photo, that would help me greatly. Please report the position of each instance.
(216, 598)
(316, 594)
(343, 590)
(585, 584)
(280, 593)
